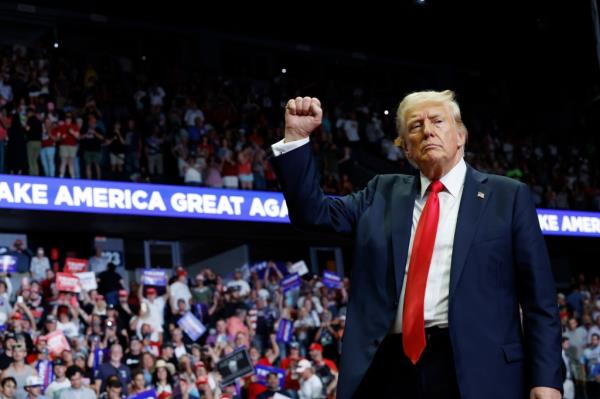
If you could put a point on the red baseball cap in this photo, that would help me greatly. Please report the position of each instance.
(151, 291)
(123, 293)
(316, 347)
(181, 272)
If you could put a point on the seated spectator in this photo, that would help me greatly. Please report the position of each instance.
(113, 367)
(311, 386)
(9, 388)
(162, 379)
(60, 382)
(33, 387)
(113, 389)
(77, 390)
(138, 383)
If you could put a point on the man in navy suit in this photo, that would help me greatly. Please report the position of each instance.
(452, 294)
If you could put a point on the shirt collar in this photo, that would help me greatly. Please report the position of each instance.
(452, 181)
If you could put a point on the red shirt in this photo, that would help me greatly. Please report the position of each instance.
(230, 169)
(66, 137)
(48, 140)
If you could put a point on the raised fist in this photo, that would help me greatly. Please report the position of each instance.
(302, 116)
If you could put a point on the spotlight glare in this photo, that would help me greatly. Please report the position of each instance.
(55, 44)
(283, 70)
(386, 112)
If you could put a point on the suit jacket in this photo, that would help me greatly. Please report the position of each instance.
(499, 265)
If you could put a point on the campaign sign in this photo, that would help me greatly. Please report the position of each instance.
(57, 343)
(285, 331)
(87, 280)
(74, 265)
(235, 365)
(8, 264)
(156, 277)
(67, 282)
(291, 281)
(331, 280)
(148, 394)
(300, 268)
(192, 326)
(263, 371)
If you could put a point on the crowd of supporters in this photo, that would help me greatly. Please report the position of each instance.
(123, 339)
(63, 117)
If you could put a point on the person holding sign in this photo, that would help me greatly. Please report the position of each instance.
(433, 253)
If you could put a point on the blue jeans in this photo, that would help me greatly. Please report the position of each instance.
(48, 164)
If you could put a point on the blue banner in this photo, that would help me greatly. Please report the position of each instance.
(291, 281)
(156, 277)
(72, 195)
(263, 371)
(116, 198)
(569, 223)
(285, 331)
(331, 280)
(149, 394)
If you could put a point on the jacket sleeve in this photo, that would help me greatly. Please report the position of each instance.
(537, 296)
(308, 206)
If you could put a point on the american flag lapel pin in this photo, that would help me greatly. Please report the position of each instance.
(480, 194)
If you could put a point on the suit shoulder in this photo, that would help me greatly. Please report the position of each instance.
(393, 178)
(502, 182)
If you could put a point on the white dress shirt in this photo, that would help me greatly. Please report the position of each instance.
(438, 279)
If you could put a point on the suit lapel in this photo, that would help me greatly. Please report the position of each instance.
(474, 197)
(403, 202)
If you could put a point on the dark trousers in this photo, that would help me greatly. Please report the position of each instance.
(392, 374)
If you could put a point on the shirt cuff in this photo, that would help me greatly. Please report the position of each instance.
(281, 148)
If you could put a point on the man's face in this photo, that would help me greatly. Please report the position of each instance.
(19, 353)
(76, 380)
(59, 371)
(177, 335)
(35, 391)
(116, 353)
(114, 392)
(136, 347)
(273, 381)
(595, 340)
(316, 355)
(572, 324)
(9, 389)
(432, 138)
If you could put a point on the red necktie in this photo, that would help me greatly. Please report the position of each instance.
(413, 323)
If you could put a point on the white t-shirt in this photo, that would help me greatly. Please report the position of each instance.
(244, 287)
(179, 291)
(70, 329)
(156, 312)
(180, 351)
(55, 387)
(192, 175)
(39, 267)
(311, 388)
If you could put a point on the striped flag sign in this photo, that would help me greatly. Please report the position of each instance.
(285, 331)
(8, 264)
(291, 281)
(192, 326)
(148, 394)
(331, 280)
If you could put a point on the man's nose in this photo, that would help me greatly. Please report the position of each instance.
(427, 127)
